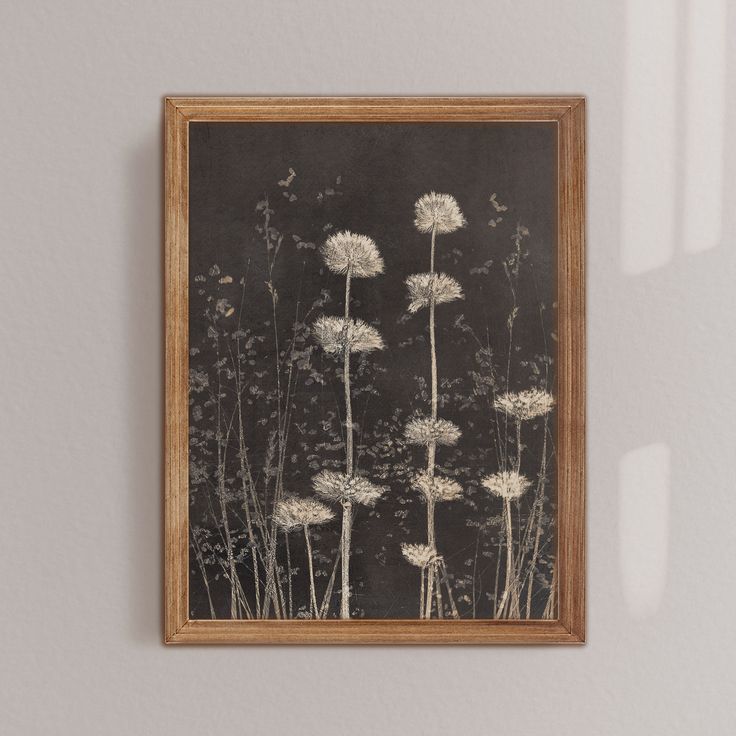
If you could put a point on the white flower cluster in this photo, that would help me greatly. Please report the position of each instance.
(346, 489)
(526, 405)
(439, 212)
(346, 251)
(337, 334)
(507, 484)
(291, 513)
(425, 287)
(434, 488)
(420, 555)
(425, 431)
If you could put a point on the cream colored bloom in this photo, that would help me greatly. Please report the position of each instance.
(507, 484)
(291, 513)
(434, 488)
(335, 334)
(526, 405)
(345, 251)
(419, 554)
(439, 211)
(425, 286)
(346, 489)
(424, 430)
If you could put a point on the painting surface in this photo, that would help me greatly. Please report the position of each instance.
(372, 362)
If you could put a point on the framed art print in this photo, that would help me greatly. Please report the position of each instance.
(375, 356)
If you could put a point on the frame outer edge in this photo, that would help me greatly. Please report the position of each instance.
(569, 113)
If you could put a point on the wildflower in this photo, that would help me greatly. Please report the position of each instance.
(425, 431)
(434, 488)
(337, 334)
(291, 513)
(358, 254)
(526, 405)
(507, 484)
(425, 287)
(420, 555)
(438, 212)
(346, 489)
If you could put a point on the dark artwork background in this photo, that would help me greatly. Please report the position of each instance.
(366, 178)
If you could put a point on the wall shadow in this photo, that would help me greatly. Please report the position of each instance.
(666, 349)
(144, 371)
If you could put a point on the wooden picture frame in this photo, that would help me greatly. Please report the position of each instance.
(568, 115)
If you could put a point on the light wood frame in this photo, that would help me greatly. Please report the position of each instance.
(568, 113)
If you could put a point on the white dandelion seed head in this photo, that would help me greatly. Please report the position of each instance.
(345, 251)
(434, 488)
(425, 430)
(526, 405)
(346, 489)
(439, 211)
(291, 513)
(336, 334)
(419, 554)
(507, 484)
(423, 287)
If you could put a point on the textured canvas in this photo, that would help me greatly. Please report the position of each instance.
(372, 364)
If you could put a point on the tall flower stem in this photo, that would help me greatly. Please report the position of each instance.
(347, 522)
(432, 446)
(434, 213)
(510, 595)
(346, 381)
(353, 256)
(431, 541)
(538, 508)
(288, 574)
(347, 511)
(312, 591)
(549, 609)
(432, 343)
(430, 590)
(325, 607)
(421, 592)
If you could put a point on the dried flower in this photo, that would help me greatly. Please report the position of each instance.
(434, 488)
(346, 488)
(526, 405)
(423, 287)
(291, 513)
(345, 251)
(425, 430)
(420, 555)
(507, 484)
(438, 211)
(336, 334)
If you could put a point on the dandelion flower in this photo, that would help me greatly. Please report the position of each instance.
(346, 251)
(291, 513)
(434, 488)
(423, 287)
(425, 430)
(419, 554)
(507, 484)
(346, 489)
(336, 334)
(526, 405)
(439, 212)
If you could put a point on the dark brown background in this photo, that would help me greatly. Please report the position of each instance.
(382, 170)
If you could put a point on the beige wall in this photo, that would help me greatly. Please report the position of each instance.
(80, 358)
